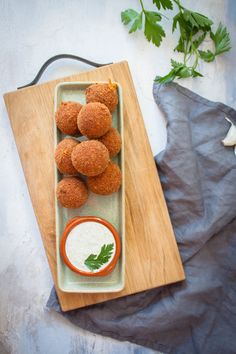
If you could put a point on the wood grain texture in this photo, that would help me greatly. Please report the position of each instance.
(152, 257)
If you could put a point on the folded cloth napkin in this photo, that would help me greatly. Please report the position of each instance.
(198, 176)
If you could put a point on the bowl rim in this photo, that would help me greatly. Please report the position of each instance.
(79, 220)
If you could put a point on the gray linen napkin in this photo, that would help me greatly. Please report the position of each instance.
(198, 176)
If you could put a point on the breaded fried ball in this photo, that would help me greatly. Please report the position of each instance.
(71, 192)
(104, 93)
(107, 182)
(94, 120)
(112, 141)
(66, 117)
(63, 156)
(90, 157)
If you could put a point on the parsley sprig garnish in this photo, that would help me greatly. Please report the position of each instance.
(193, 28)
(94, 261)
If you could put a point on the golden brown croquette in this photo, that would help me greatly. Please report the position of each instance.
(94, 120)
(112, 141)
(63, 156)
(71, 192)
(66, 117)
(108, 182)
(90, 157)
(104, 93)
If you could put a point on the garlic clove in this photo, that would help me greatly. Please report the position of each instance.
(230, 138)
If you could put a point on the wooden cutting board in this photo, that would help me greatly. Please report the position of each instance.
(152, 257)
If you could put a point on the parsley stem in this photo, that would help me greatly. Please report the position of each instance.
(185, 58)
(141, 2)
(188, 57)
(185, 52)
(196, 59)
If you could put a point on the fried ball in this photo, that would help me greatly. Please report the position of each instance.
(94, 120)
(112, 141)
(66, 117)
(63, 156)
(107, 182)
(90, 157)
(104, 93)
(71, 192)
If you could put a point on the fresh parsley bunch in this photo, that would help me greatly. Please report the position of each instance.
(193, 28)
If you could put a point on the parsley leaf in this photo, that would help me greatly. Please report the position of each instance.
(175, 21)
(175, 64)
(153, 31)
(198, 41)
(96, 261)
(137, 24)
(165, 4)
(190, 23)
(133, 16)
(207, 56)
(128, 15)
(197, 20)
(221, 40)
(180, 46)
(196, 73)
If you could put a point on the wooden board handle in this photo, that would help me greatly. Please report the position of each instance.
(57, 57)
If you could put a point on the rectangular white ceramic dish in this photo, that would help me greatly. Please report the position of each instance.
(111, 208)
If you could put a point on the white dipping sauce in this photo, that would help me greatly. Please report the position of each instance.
(85, 239)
